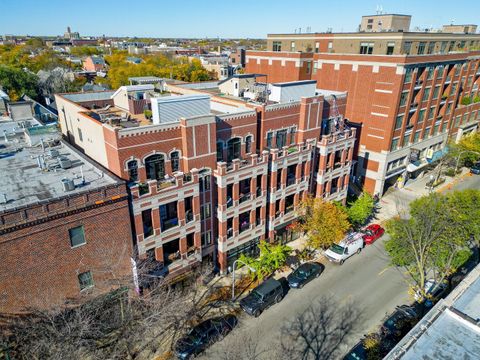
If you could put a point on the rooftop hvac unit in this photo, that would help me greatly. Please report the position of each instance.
(65, 163)
(68, 185)
(53, 153)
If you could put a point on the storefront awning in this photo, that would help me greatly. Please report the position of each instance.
(414, 166)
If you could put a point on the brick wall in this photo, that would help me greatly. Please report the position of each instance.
(39, 266)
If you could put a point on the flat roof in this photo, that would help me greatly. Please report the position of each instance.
(386, 15)
(294, 83)
(24, 182)
(451, 330)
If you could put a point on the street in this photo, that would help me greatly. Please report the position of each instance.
(367, 279)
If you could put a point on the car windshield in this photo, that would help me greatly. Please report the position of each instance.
(337, 249)
(301, 273)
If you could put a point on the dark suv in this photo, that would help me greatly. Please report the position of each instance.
(267, 293)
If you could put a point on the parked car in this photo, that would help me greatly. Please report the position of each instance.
(372, 233)
(264, 295)
(399, 322)
(352, 244)
(475, 169)
(304, 274)
(357, 352)
(433, 290)
(204, 334)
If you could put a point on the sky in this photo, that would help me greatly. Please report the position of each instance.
(210, 18)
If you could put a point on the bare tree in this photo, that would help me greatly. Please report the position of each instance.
(319, 331)
(241, 346)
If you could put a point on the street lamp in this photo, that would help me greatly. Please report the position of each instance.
(233, 275)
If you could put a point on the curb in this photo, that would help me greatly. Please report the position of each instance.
(455, 181)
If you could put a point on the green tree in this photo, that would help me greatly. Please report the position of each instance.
(272, 257)
(361, 209)
(433, 240)
(85, 51)
(324, 222)
(17, 82)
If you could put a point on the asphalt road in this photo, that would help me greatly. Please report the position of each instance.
(366, 278)
(375, 288)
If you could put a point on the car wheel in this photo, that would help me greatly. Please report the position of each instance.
(342, 261)
(317, 274)
(300, 286)
(279, 298)
(257, 313)
(359, 250)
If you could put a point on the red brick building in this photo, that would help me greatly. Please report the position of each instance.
(65, 227)
(210, 174)
(411, 92)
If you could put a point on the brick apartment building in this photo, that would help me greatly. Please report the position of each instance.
(64, 222)
(412, 92)
(211, 174)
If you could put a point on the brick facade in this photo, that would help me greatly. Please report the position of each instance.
(40, 268)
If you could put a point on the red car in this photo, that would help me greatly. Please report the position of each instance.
(372, 233)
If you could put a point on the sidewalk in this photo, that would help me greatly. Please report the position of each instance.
(398, 201)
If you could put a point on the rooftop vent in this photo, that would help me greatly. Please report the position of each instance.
(65, 163)
(68, 184)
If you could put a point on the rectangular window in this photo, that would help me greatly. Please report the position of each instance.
(390, 48)
(444, 126)
(77, 236)
(430, 72)
(457, 121)
(206, 238)
(277, 46)
(451, 46)
(317, 47)
(408, 75)
(366, 48)
(269, 140)
(440, 71)
(427, 132)
(407, 47)
(315, 67)
(281, 139)
(443, 47)
(399, 122)
(330, 46)
(435, 129)
(416, 137)
(436, 92)
(80, 136)
(206, 211)
(431, 47)
(292, 46)
(421, 47)
(293, 131)
(426, 94)
(309, 67)
(147, 223)
(204, 183)
(431, 113)
(394, 145)
(421, 115)
(85, 280)
(403, 98)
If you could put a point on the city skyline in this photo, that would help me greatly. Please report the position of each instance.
(172, 21)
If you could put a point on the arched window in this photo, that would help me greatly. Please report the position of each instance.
(219, 151)
(248, 144)
(155, 166)
(132, 168)
(175, 161)
(233, 151)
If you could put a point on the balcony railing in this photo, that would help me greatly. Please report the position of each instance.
(169, 223)
(188, 216)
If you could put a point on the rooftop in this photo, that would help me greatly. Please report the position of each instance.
(37, 166)
(451, 330)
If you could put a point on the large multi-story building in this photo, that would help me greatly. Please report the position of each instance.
(211, 174)
(64, 221)
(412, 92)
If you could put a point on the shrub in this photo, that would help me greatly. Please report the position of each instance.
(466, 100)
(476, 99)
(147, 113)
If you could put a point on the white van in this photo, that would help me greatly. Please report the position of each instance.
(352, 244)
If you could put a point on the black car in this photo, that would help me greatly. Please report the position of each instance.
(304, 273)
(267, 293)
(475, 169)
(400, 322)
(204, 334)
